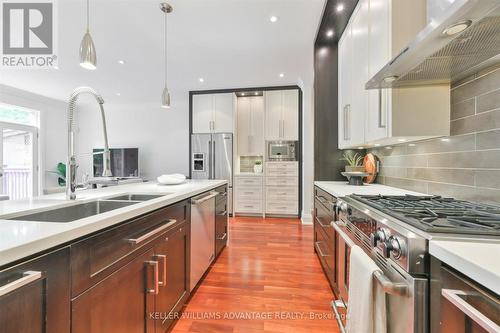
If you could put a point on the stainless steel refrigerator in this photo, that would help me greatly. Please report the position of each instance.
(212, 158)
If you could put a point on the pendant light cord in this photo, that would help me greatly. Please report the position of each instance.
(166, 49)
(88, 14)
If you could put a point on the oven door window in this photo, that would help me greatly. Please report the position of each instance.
(278, 150)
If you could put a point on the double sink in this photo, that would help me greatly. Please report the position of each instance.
(88, 209)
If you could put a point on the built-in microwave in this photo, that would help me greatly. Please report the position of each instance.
(282, 150)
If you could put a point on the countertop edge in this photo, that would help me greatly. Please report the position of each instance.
(48, 243)
(470, 269)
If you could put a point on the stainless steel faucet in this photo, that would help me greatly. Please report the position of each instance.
(72, 166)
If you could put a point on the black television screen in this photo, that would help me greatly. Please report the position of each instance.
(124, 162)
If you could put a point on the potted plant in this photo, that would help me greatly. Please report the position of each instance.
(257, 168)
(354, 162)
(61, 173)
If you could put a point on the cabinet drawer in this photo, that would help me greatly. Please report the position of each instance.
(251, 193)
(38, 297)
(96, 257)
(283, 173)
(248, 181)
(282, 181)
(249, 207)
(290, 166)
(274, 193)
(282, 207)
(323, 217)
(325, 250)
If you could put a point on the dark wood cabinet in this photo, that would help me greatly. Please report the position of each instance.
(221, 217)
(122, 302)
(325, 235)
(35, 295)
(172, 254)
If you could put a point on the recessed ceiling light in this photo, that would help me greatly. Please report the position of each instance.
(118, 94)
(273, 19)
(390, 79)
(242, 94)
(445, 140)
(201, 80)
(361, 147)
(402, 140)
(329, 33)
(340, 7)
(256, 94)
(377, 145)
(457, 28)
(282, 75)
(121, 62)
(56, 67)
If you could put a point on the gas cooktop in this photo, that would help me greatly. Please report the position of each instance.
(437, 214)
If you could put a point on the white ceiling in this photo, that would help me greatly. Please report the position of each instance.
(230, 43)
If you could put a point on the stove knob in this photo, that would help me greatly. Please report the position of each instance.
(395, 246)
(379, 235)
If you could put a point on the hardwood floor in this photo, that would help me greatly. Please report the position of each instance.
(268, 273)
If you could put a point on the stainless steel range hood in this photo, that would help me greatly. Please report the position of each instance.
(435, 57)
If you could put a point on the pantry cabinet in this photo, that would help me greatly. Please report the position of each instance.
(250, 126)
(377, 31)
(282, 115)
(213, 113)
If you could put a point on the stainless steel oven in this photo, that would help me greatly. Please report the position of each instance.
(282, 150)
(406, 293)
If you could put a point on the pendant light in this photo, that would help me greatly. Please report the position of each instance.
(165, 96)
(88, 57)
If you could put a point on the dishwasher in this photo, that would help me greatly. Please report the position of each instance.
(202, 235)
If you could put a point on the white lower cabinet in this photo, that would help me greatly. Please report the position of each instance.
(249, 195)
(282, 188)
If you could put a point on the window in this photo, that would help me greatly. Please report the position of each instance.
(18, 115)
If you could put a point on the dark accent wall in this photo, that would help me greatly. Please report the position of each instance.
(327, 164)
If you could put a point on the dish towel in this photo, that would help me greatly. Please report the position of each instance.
(366, 308)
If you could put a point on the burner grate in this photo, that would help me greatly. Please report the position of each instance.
(438, 214)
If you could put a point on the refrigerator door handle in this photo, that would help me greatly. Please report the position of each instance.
(210, 158)
(213, 159)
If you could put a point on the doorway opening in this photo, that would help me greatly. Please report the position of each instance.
(19, 171)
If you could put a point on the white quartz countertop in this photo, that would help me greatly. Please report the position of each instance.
(19, 239)
(342, 188)
(476, 259)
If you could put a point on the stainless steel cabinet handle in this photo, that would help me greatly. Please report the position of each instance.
(336, 225)
(380, 125)
(323, 225)
(454, 297)
(205, 198)
(28, 277)
(344, 121)
(210, 158)
(223, 236)
(338, 304)
(163, 258)
(156, 288)
(349, 122)
(320, 251)
(393, 288)
(148, 235)
(224, 213)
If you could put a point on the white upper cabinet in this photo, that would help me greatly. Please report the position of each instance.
(213, 113)
(377, 31)
(250, 126)
(282, 114)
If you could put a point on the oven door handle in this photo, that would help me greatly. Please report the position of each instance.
(454, 297)
(389, 287)
(336, 225)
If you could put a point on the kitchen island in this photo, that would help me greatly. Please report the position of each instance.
(124, 266)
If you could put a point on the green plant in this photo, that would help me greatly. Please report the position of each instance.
(61, 173)
(258, 162)
(352, 159)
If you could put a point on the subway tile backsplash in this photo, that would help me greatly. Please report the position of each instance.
(465, 165)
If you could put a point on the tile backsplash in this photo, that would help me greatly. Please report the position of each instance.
(247, 162)
(465, 165)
